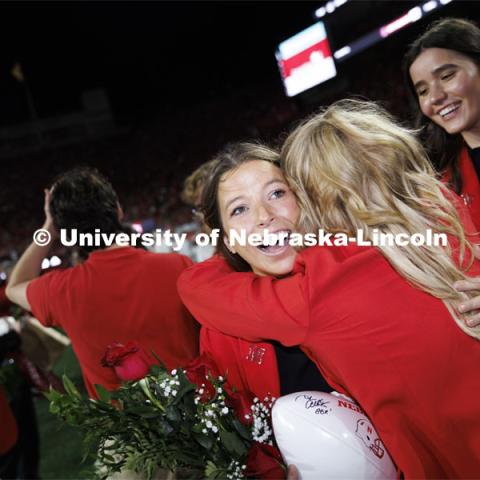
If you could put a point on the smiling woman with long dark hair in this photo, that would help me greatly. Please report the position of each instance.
(442, 70)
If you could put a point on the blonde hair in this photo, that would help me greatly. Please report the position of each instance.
(194, 183)
(352, 167)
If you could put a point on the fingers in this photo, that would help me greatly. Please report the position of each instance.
(46, 203)
(467, 285)
(48, 224)
(473, 321)
(470, 307)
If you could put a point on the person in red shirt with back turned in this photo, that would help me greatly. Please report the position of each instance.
(119, 294)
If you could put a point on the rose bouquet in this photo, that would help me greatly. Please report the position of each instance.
(187, 420)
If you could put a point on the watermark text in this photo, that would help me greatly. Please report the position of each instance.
(264, 240)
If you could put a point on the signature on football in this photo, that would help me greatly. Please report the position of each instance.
(320, 405)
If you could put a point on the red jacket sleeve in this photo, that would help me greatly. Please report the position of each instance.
(245, 305)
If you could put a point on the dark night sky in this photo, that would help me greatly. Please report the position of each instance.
(149, 55)
(155, 57)
(144, 53)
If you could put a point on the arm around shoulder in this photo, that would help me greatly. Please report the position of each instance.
(245, 305)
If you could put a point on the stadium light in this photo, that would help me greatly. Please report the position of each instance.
(429, 6)
(369, 39)
(342, 52)
(320, 12)
(329, 8)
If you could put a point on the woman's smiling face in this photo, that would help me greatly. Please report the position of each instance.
(447, 84)
(255, 197)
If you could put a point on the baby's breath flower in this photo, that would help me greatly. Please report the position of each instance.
(261, 431)
(235, 470)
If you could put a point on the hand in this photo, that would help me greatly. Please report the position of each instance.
(48, 224)
(292, 473)
(471, 306)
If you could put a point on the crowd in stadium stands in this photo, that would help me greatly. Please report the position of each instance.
(148, 163)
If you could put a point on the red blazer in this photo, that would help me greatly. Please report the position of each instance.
(248, 366)
(471, 186)
(8, 430)
(392, 347)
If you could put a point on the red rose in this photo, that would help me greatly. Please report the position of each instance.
(265, 462)
(241, 403)
(198, 371)
(129, 361)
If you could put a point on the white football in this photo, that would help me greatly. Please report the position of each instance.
(329, 436)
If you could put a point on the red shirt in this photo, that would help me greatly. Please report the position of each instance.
(8, 431)
(389, 345)
(471, 185)
(118, 295)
